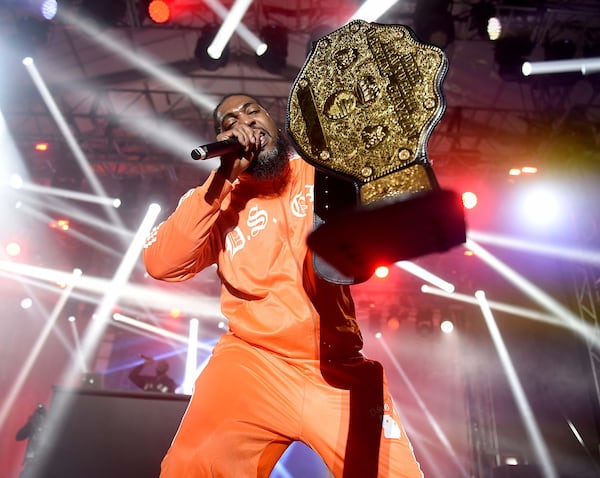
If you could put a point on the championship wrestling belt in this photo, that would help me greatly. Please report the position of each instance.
(361, 111)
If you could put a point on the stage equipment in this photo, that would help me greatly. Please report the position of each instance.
(208, 33)
(510, 53)
(274, 59)
(159, 11)
(361, 111)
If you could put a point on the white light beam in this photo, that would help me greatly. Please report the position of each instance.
(245, 34)
(580, 255)
(371, 10)
(15, 390)
(539, 446)
(534, 292)
(70, 139)
(583, 65)
(229, 25)
(427, 276)
(191, 362)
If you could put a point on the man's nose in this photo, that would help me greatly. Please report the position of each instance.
(247, 119)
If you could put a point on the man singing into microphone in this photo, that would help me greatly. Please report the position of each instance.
(290, 367)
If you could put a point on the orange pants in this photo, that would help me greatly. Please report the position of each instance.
(249, 405)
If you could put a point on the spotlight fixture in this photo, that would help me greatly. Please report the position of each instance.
(481, 13)
(557, 50)
(206, 37)
(48, 9)
(434, 23)
(105, 12)
(510, 53)
(159, 11)
(469, 199)
(31, 34)
(274, 59)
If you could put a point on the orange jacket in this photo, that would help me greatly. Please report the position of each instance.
(270, 294)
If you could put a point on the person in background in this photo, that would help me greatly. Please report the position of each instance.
(290, 367)
(159, 382)
(32, 431)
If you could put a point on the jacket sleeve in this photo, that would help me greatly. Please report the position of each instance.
(136, 375)
(186, 242)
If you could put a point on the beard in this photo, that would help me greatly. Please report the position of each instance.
(271, 164)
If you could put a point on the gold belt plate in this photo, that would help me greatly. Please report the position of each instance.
(364, 106)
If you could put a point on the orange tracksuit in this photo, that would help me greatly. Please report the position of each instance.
(290, 367)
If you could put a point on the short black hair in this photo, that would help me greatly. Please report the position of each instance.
(216, 121)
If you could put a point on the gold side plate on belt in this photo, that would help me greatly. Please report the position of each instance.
(364, 105)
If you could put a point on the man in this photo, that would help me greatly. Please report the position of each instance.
(290, 366)
(32, 430)
(159, 382)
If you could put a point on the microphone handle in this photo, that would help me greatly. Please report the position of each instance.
(218, 148)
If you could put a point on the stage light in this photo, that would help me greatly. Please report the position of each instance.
(175, 313)
(48, 9)
(242, 31)
(191, 362)
(481, 14)
(585, 66)
(510, 53)
(41, 146)
(447, 326)
(394, 319)
(26, 303)
(31, 33)
(230, 24)
(540, 207)
(393, 323)
(494, 28)
(107, 12)
(371, 10)
(12, 249)
(382, 272)
(15, 181)
(159, 11)
(562, 49)
(434, 23)
(424, 274)
(469, 199)
(205, 39)
(75, 148)
(539, 446)
(62, 224)
(274, 59)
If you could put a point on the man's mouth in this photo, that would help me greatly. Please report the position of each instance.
(263, 140)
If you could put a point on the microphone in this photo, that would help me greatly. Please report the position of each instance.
(211, 150)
